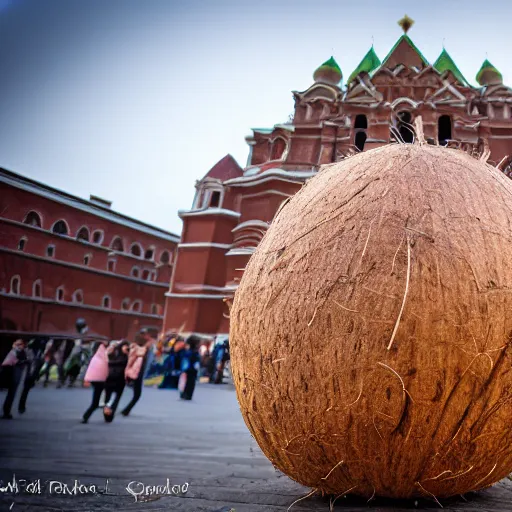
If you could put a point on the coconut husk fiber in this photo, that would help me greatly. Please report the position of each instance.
(371, 331)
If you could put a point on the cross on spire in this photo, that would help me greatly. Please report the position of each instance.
(406, 23)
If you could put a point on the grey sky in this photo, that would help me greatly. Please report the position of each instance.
(134, 100)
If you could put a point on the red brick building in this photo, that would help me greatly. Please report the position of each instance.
(62, 257)
(233, 207)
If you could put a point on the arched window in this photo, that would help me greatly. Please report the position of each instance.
(405, 127)
(15, 285)
(214, 199)
(135, 272)
(97, 236)
(33, 219)
(83, 234)
(278, 148)
(146, 274)
(125, 305)
(360, 140)
(78, 296)
(59, 295)
(22, 243)
(136, 250)
(106, 302)
(37, 289)
(60, 228)
(117, 244)
(444, 129)
(111, 265)
(361, 122)
(50, 251)
(149, 254)
(137, 306)
(87, 259)
(165, 257)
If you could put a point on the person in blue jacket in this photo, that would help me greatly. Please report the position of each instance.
(190, 365)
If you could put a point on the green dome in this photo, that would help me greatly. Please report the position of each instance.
(328, 72)
(368, 64)
(488, 74)
(445, 63)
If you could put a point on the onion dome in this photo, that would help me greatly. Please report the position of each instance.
(369, 63)
(445, 63)
(329, 72)
(488, 75)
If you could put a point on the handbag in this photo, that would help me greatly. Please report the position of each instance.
(97, 371)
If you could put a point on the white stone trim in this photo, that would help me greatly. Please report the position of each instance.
(270, 175)
(193, 245)
(199, 287)
(242, 251)
(209, 211)
(268, 192)
(398, 101)
(74, 296)
(193, 296)
(251, 223)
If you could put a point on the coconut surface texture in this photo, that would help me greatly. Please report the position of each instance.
(371, 331)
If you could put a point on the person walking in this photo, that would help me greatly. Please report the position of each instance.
(172, 365)
(117, 354)
(96, 375)
(12, 374)
(134, 372)
(191, 363)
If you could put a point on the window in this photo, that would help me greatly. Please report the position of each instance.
(60, 294)
(361, 122)
(154, 309)
(33, 219)
(83, 234)
(136, 250)
(106, 302)
(360, 140)
(277, 149)
(444, 130)
(97, 236)
(50, 251)
(15, 285)
(22, 243)
(146, 275)
(78, 296)
(165, 258)
(137, 306)
(60, 228)
(215, 199)
(125, 305)
(37, 289)
(111, 265)
(117, 244)
(405, 127)
(135, 272)
(87, 259)
(149, 254)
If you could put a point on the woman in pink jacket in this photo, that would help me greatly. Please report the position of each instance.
(96, 374)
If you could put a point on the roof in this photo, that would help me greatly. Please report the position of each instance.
(404, 52)
(225, 169)
(368, 64)
(486, 67)
(445, 63)
(35, 187)
(329, 65)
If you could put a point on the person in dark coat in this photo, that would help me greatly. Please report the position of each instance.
(191, 363)
(114, 385)
(35, 351)
(172, 365)
(12, 373)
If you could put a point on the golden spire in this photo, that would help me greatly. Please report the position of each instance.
(406, 23)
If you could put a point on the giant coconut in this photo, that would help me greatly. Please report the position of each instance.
(371, 331)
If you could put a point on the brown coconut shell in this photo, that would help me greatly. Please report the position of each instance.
(371, 332)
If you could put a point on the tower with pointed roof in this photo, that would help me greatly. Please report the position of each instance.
(377, 105)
